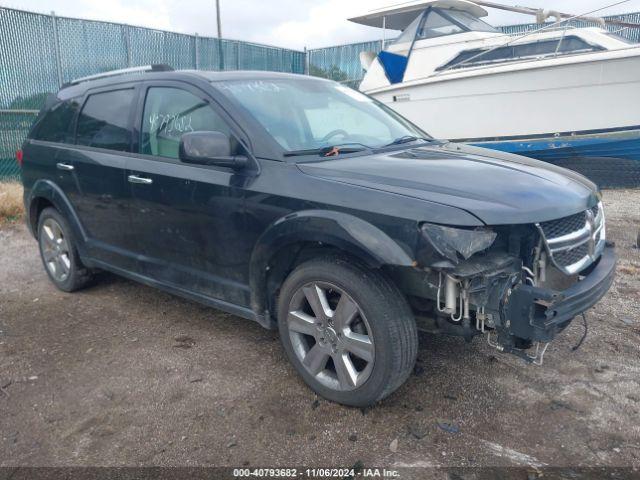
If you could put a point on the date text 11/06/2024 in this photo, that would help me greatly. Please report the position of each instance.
(315, 473)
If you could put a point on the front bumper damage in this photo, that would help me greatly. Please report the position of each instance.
(539, 314)
(505, 286)
(494, 298)
(515, 315)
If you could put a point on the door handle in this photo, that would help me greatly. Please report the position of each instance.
(64, 166)
(141, 180)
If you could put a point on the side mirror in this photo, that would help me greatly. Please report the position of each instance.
(209, 148)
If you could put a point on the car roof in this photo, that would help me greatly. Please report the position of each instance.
(78, 89)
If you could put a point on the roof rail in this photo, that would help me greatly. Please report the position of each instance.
(123, 71)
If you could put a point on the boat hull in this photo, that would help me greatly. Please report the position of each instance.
(545, 109)
(624, 143)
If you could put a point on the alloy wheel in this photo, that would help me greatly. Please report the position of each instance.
(330, 336)
(55, 250)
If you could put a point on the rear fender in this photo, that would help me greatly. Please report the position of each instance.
(48, 190)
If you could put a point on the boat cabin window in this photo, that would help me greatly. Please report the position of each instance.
(513, 53)
(436, 22)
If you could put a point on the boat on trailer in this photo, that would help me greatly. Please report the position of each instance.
(555, 93)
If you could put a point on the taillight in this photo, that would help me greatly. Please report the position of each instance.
(19, 157)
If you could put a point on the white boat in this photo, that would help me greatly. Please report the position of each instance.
(557, 92)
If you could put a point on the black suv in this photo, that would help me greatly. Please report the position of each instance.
(306, 206)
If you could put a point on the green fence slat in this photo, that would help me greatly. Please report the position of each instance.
(13, 129)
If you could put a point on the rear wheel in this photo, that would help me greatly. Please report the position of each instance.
(58, 252)
(347, 330)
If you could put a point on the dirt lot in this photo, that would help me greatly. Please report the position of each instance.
(121, 374)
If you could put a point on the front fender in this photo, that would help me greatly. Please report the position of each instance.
(341, 230)
(48, 190)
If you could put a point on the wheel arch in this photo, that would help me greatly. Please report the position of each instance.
(46, 193)
(307, 234)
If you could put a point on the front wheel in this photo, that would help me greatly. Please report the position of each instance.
(347, 330)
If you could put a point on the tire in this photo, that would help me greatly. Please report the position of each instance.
(366, 330)
(59, 253)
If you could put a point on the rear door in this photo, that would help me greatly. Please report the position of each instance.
(103, 142)
(48, 148)
(189, 219)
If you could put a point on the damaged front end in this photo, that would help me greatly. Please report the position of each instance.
(519, 285)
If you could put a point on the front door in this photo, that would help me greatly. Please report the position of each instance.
(189, 219)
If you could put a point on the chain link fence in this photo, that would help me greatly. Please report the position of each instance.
(631, 34)
(341, 63)
(38, 53)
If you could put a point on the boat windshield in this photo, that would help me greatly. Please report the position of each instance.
(438, 23)
(307, 114)
(472, 23)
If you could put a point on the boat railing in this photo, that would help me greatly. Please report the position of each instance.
(555, 25)
(564, 32)
(617, 32)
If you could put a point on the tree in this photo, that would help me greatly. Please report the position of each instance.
(332, 73)
(31, 102)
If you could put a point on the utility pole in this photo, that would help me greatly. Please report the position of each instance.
(218, 18)
(220, 53)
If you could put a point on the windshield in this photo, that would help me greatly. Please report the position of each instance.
(472, 23)
(439, 23)
(305, 114)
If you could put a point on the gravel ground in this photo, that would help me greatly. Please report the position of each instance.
(121, 374)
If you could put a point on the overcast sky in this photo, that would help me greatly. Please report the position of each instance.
(285, 23)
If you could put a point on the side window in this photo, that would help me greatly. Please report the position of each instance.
(512, 53)
(56, 124)
(569, 44)
(104, 120)
(168, 113)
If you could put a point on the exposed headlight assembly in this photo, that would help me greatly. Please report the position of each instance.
(448, 246)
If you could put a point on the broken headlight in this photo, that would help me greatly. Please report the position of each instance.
(445, 247)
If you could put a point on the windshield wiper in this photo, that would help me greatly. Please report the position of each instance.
(405, 139)
(325, 150)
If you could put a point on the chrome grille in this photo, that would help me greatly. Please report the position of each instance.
(564, 226)
(571, 256)
(574, 242)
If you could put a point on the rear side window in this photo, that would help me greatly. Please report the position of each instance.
(56, 124)
(104, 120)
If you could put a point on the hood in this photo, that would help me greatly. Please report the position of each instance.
(497, 187)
